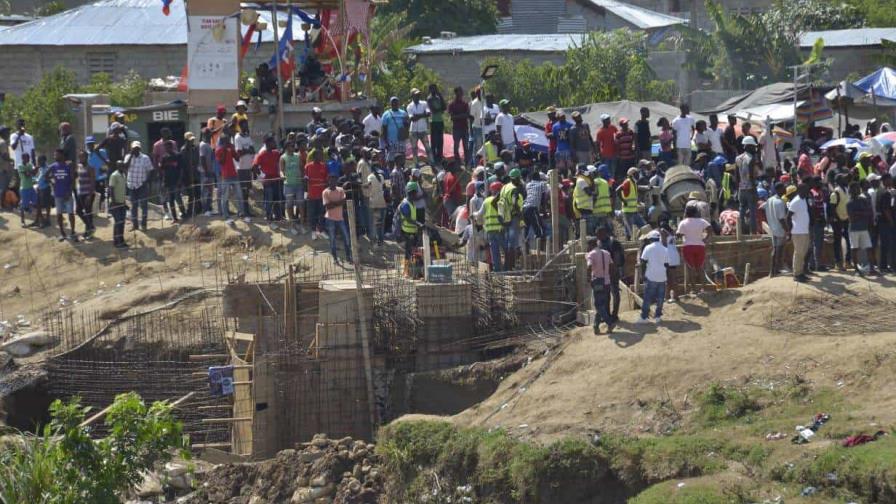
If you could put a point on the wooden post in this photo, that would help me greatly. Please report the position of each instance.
(737, 229)
(583, 235)
(554, 182)
(747, 273)
(279, 77)
(426, 257)
(365, 340)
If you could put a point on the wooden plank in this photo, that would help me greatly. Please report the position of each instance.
(201, 357)
(202, 446)
(226, 420)
(241, 336)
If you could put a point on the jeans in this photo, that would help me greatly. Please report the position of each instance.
(315, 214)
(229, 185)
(817, 230)
(84, 205)
(209, 181)
(119, 214)
(632, 221)
(496, 243)
(417, 137)
(462, 138)
(534, 225)
(245, 177)
(475, 142)
(376, 224)
(332, 225)
(273, 200)
(614, 294)
(747, 203)
(841, 232)
(887, 238)
(601, 294)
(139, 199)
(362, 216)
(654, 293)
(437, 140)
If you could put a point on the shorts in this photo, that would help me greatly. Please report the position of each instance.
(563, 158)
(27, 198)
(64, 206)
(860, 239)
(694, 255)
(294, 194)
(45, 197)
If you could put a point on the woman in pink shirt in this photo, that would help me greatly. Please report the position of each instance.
(692, 229)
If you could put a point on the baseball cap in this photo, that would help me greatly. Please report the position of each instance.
(320, 131)
(577, 114)
(604, 117)
(551, 109)
(189, 136)
(316, 110)
(221, 108)
(136, 144)
(89, 140)
(504, 102)
(872, 177)
(632, 172)
(623, 120)
(414, 91)
(653, 235)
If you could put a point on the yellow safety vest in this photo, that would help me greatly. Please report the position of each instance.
(581, 199)
(491, 153)
(491, 217)
(630, 203)
(513, 205)
(603, 205)
(863, 173)
(408, 224)
(726, 185)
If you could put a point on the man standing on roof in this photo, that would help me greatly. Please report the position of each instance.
(418, 115)
(643, 140)
(580, 140)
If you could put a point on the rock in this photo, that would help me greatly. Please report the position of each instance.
(256, 500)
(178, 476)
(319, 481)
(302, 481)
(356, 472)
(307, 457)
(320, 441)
(27, 344)
(308, 494)
(345, 442)
(343, 455)
(150, 486)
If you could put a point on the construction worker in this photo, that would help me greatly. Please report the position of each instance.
(491, 216)
(512, 197)
(583, 197)
(603, 203)
(864, 167)
(489, 151)
(628, 191)
(410, 226)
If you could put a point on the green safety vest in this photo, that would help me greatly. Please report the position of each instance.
(491, 217)
(630, 203)
(603, 205)
(491, 153)
(408, 224)
(863, 173)
(513, 201)
(581, 199)
(726, 185)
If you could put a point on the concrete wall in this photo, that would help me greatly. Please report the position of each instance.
(669, 65)
(860, 61)
(463, 69)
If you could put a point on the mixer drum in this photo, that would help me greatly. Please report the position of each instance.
(679, 182)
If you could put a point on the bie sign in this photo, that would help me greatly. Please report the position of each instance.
(165, 115)
(212, 53)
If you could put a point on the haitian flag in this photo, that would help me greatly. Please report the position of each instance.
(285, 53)
(166, 7)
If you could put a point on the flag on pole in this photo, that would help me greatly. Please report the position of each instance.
(247, 39)
(166, 7)
(285, 52)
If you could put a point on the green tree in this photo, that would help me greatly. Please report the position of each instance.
(49, 9)
(42, 106)
(65, 466)
(798, 16)
(877, 13)
(128, 92)
(391, 70)
(431, 17)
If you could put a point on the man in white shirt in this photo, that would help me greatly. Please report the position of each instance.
(715, 134)
(490, 113)
(373, 122)
(798, 212)
(654, 261)
(776, 216)
(769, 149)
(476, 113)
(21, 143)
(245, 149)
(418, 114)
(683, 128)
(504, 123)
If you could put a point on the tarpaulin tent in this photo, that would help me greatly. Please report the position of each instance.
(881, 83)
(618, 109)
(773, 100)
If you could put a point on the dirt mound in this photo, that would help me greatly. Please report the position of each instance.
(344, 471)
(205, 234)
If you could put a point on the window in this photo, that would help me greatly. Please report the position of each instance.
(101, 62)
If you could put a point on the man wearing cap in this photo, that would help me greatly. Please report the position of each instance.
(654, 262)
(580, 140)
(864, 167)
(778, 225)
(606, 142)
(563, 156)
(697, 199)
(139, 167)
(436, 103)
(216, 125)
(504, 123)
(240, 115)
(395, 129)
(628, 193)
(189, 159)
(512, 197)
(99, 161)
(459, 111)
(747, 166)
(245, 151)
(625, 149)
(115, 144)
(317, 121)
(418, 114)
(230, 181)
(583, 196)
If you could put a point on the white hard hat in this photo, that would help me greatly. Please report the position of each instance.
(748, 140)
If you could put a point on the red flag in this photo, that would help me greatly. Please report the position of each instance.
(166, 7)
(247, 39)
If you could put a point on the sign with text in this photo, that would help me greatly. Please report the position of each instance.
(212, 55)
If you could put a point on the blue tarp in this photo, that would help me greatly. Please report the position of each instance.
(882, 82)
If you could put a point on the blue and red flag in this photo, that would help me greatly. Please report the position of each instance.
(166, 7)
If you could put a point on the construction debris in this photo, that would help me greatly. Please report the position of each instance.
(344, 471)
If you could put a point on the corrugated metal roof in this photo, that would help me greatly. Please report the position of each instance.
(115, 22)
(480, 43)
(639, 17)
(856, 37)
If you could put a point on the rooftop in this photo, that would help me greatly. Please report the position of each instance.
(115, 22)
(554, 42)
(639, 17)
(857, 37)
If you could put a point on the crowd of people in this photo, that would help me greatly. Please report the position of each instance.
(492, 190)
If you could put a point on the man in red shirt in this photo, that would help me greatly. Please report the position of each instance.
(316, 182)
(267, 162)
(451, 192)
(625, 149)
(606, 141)
(459, 110)
(549, 132)
(225, 154)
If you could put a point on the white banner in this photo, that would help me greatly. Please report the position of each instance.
(212, 52)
